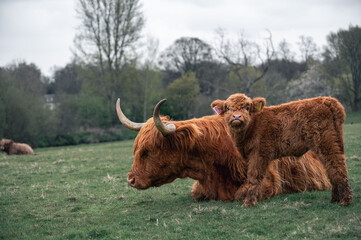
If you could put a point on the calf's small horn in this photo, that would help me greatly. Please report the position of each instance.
(123, 119)
(164, 128)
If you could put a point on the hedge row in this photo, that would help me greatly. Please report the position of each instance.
(85, 137)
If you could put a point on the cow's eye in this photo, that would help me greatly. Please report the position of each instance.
(144, 154)
(227, 108)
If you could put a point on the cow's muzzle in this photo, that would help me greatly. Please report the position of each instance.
(131, 181)
(136, 183)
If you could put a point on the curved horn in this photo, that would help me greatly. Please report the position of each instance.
(123, 119)
(164, 128)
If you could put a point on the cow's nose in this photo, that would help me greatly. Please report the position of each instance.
(131, 181)
(237, 116)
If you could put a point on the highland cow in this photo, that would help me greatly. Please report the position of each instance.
(203, 150)
(11, 147)
(263, 134)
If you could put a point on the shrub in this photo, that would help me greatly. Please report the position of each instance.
(86, 137)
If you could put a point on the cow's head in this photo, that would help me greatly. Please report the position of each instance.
(238, 110)
(5, 144)
(160, 149)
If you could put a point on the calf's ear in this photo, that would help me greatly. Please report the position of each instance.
(218, 107)
(258, 104)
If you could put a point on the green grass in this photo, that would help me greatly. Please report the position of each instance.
(81, 192)
(354, 117)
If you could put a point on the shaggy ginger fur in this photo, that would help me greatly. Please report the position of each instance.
(11, 147)
(203, 150)
(263, 134)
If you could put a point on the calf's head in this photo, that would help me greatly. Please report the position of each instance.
(238, 110)
(160, 149)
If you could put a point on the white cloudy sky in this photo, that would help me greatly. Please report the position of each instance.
(42, 31)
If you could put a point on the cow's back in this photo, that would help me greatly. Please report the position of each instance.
(21, 148)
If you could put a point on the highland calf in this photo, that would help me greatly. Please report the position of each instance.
(203, 150)
(263, 134)
(11, 147)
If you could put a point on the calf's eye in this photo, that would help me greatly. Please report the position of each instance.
(247, 108)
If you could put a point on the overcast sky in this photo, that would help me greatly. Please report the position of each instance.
(42, 31)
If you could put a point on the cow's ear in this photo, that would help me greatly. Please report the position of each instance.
(258, 104)
(218, 106)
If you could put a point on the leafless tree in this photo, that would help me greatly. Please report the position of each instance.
(249, 60)
(284, 51)
(308, 49)
(107, 36)
(108, 32)
(106, 42)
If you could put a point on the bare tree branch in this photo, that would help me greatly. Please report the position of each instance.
(244, 56)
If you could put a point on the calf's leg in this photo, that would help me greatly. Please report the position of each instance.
(332, 155)
(337, 173)
(257, 167)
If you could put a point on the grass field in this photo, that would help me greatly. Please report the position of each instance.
(81, 192)
(354, 117)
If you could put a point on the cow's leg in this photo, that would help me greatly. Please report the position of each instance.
(241, 191)
(197, 192)
(201, 191)
(272, 183)
(257, 167)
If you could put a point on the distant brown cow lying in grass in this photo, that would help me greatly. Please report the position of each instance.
(263, 134)
(202, 149)
(11, 147)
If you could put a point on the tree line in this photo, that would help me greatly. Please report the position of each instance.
(190, 73)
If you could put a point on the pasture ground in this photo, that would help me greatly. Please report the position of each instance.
(81, 192)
